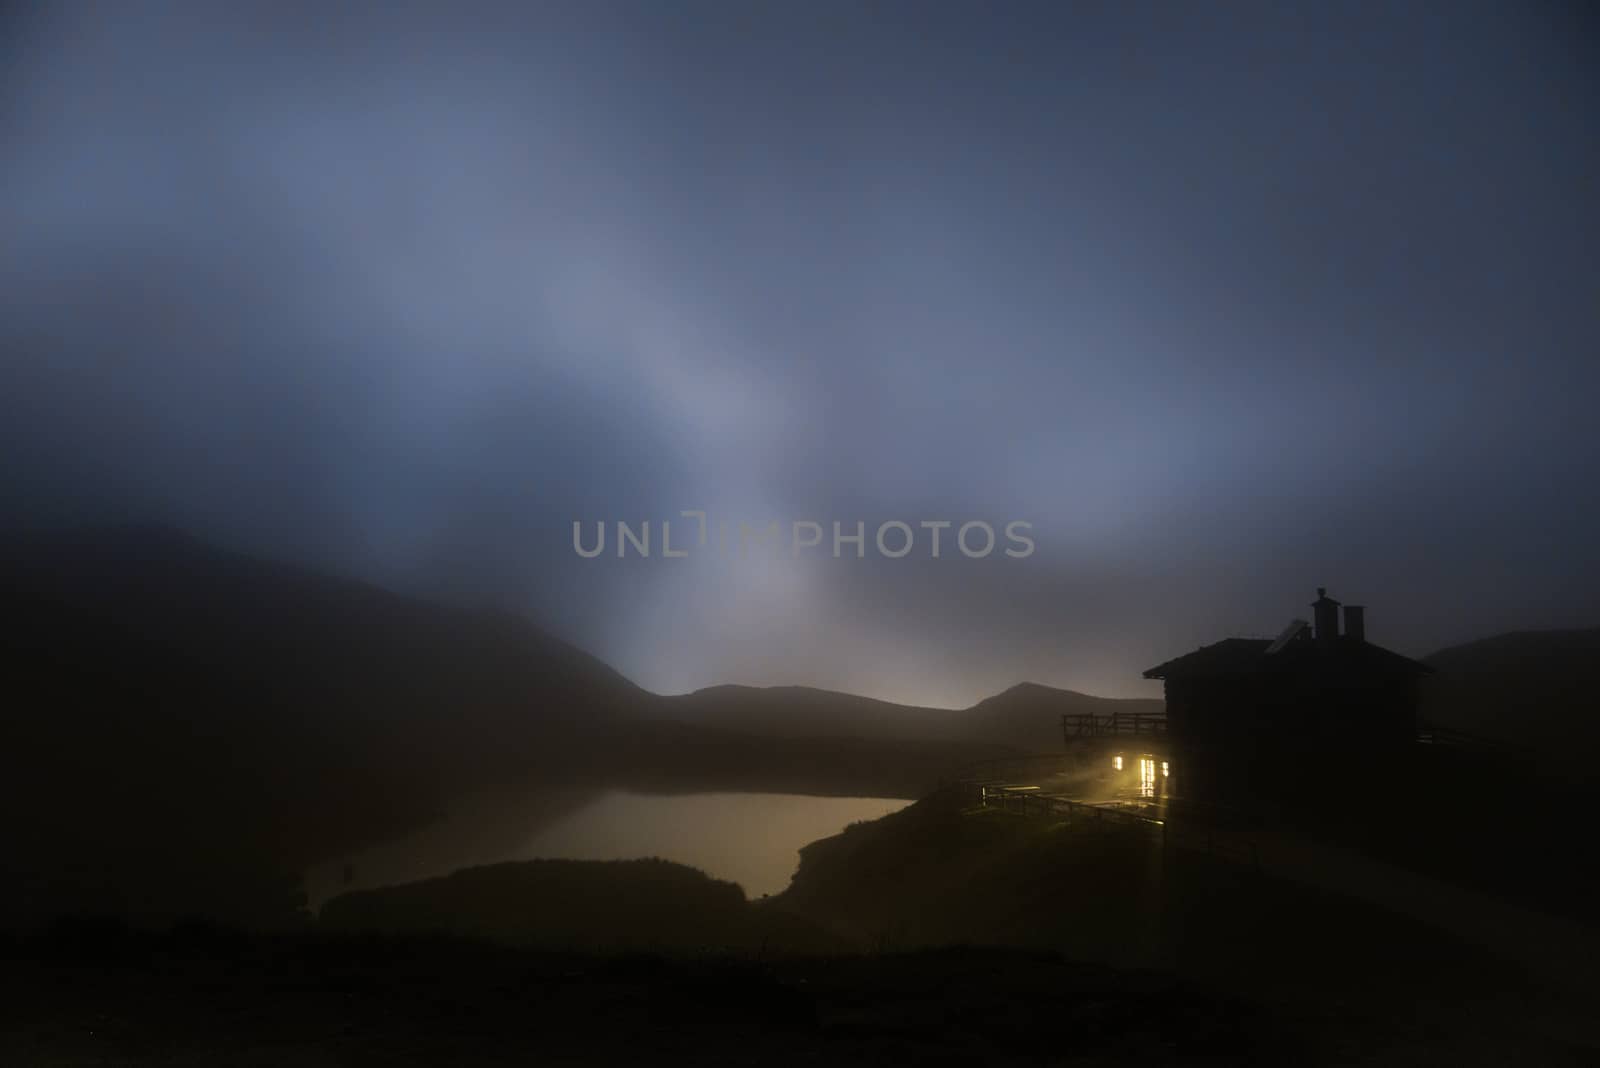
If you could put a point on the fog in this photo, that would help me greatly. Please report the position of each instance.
(1227, 305)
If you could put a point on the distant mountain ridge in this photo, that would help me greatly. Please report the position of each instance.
(1026, 716)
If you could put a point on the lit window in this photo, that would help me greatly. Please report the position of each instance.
(1165, 769)
(1116, 761)
(1147, 777)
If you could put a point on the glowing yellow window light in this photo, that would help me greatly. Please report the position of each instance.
(1116, 761)
(1147, 776)
(1165, 769)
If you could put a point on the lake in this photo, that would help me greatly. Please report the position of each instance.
(750, 839)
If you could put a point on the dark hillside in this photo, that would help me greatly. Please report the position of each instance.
(178, 712)
(1532, 687)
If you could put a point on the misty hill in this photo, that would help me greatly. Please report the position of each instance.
(179, 715)
(291, 634)
(145, 633)
(1027, 716)
(802, 711)
(1531, 687)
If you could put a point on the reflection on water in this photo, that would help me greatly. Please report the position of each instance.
(751, 839)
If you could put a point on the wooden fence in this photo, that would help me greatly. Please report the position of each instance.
(1030, 800)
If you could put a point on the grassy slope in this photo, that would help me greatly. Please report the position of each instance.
(937, 874)
(1531, 687)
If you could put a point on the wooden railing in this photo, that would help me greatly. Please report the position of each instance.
(1434, 734)
(1075, 725)
(1094, 725)
(1029, 800)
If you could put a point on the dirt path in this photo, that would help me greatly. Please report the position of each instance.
(1555, 948)
(1561, 955)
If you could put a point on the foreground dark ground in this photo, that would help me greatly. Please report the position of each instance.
(934, 936)
(205, 998)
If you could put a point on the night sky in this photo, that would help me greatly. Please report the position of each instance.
(1228, 301)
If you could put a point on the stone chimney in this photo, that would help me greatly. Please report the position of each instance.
(1355, 622)
(1326, 617)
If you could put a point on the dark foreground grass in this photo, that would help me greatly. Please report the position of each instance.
(321, 1000)
(206, 997)
(937, 935)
